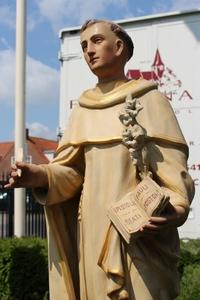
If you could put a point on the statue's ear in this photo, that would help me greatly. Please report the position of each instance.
(119, 47)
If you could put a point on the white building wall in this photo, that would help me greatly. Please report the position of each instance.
(177, 38)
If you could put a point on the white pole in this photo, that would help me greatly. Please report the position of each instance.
(20, 83)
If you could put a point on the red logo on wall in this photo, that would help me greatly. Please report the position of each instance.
(167, 81)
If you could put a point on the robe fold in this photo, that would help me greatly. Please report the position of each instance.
(88, 259)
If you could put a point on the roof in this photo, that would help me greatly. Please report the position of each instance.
(37, 149)
(127, 22)
(4, 149)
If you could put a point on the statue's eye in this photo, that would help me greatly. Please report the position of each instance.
(84, 47)
(98, 40)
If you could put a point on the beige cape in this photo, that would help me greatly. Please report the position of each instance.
(88, 259)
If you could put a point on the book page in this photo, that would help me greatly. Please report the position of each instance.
(128, 213)
(149, 195)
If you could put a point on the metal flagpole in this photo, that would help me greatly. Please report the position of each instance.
(20, 83)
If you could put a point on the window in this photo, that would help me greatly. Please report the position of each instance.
(49, 154)
(191, 213)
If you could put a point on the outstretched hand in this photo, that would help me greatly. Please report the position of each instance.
(27, 176)
(173, 216)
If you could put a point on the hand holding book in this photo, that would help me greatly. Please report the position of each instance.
(131, 213)
(171, 216)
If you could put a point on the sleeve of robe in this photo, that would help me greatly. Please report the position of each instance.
(168, 164)
(65, 176)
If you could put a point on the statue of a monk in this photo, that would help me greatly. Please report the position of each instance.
(88, 258)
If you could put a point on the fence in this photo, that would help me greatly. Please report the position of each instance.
(34, 215)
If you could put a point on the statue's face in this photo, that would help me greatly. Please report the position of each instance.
(100, 48)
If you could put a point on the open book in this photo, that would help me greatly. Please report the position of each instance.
(133, 211)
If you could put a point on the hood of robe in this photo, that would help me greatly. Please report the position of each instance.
(95, 119)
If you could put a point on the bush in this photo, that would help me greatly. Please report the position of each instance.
(23, 269)
(189, 269)
(190, 285)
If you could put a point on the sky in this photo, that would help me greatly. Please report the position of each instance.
(44, 20)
